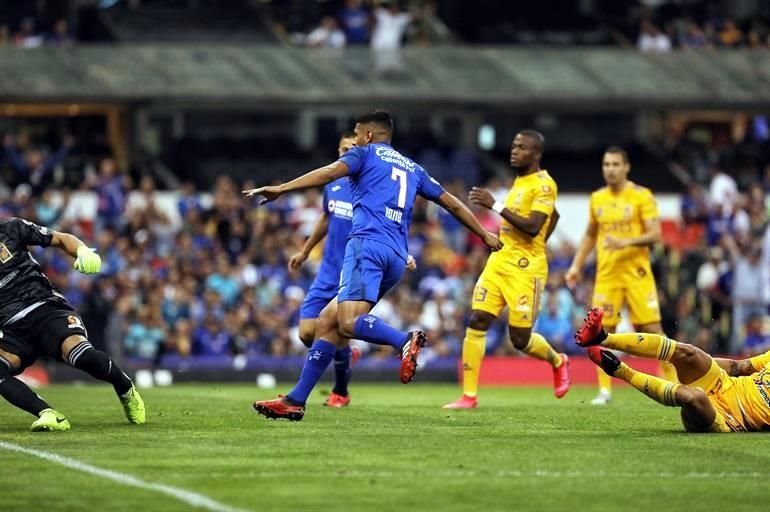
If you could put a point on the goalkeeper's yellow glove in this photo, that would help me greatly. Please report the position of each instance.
(87, 262)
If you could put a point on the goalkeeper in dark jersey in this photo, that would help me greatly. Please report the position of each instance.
(36, 319)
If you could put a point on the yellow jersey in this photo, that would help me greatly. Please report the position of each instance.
(622, 215)
(754, 394)
(532, 193)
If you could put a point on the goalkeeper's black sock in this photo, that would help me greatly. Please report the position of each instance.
(18, 393)
(98, 364)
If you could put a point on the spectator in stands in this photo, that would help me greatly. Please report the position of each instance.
(750, 294)
(428, 28)
(388, 34)
(27, 36)
(48, 210)
(5, 36)
(60, 36)
(757, 337)
(326, 35)
(110, 189)
(652, 40)
(188, 199)
(355, 22)
(211, 338)
(694, 206)
(730, 35)
(695, 38)
(34, 166)
(723, 190)
(555, 326)
(755, 39)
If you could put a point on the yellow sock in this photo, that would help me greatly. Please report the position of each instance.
(668, 372)
(644, 345)
(540, 349)
(660, 390)
(474, 346)
(605, 381)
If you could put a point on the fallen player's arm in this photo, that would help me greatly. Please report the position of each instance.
(736, 367)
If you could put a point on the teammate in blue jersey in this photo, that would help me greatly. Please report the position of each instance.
(384, 184)
(334, 224)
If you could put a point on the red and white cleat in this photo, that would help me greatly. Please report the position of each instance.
(464, 402)
(280, 408)
(409, 353)
(337, 401)
(592, 332)
(561, 378)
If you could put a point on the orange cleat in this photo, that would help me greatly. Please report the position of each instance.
(561, 380)
(280, 408)
(337, 401)
(409, 353)
(355, 355)
(592, 332)
(464, 402)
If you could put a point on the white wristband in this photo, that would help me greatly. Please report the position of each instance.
(498, 207)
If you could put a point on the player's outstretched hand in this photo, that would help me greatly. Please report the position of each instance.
(87, 262)
(411, 263)
(297, 260)
(493, 242)
(270, 193)
(481, 197)
(572, 277)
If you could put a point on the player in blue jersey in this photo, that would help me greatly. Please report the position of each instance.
(385, 184)
(334, 224)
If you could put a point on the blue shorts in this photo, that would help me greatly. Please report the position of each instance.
(369, 270)
(321, 292)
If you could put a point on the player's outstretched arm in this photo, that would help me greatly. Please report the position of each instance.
(86, 260)
(530, 225)
(315, 178)
(587, 244)
(319, 232)
(462, 213)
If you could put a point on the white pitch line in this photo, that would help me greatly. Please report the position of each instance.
(189, 497)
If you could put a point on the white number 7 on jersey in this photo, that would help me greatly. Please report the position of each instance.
(400, 175)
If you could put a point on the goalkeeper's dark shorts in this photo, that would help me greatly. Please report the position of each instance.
(41, 332)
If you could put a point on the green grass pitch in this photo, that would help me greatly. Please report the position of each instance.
(393, 449)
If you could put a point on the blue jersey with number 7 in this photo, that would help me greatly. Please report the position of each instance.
(384, 184)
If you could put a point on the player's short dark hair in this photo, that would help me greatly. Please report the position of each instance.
(381, 118)
(535, 135)
(350, 134)
(617, 150)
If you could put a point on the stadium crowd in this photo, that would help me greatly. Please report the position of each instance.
(205, 274)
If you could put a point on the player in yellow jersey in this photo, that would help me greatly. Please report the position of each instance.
(515, 276)
(623, 224)
(715, 395)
